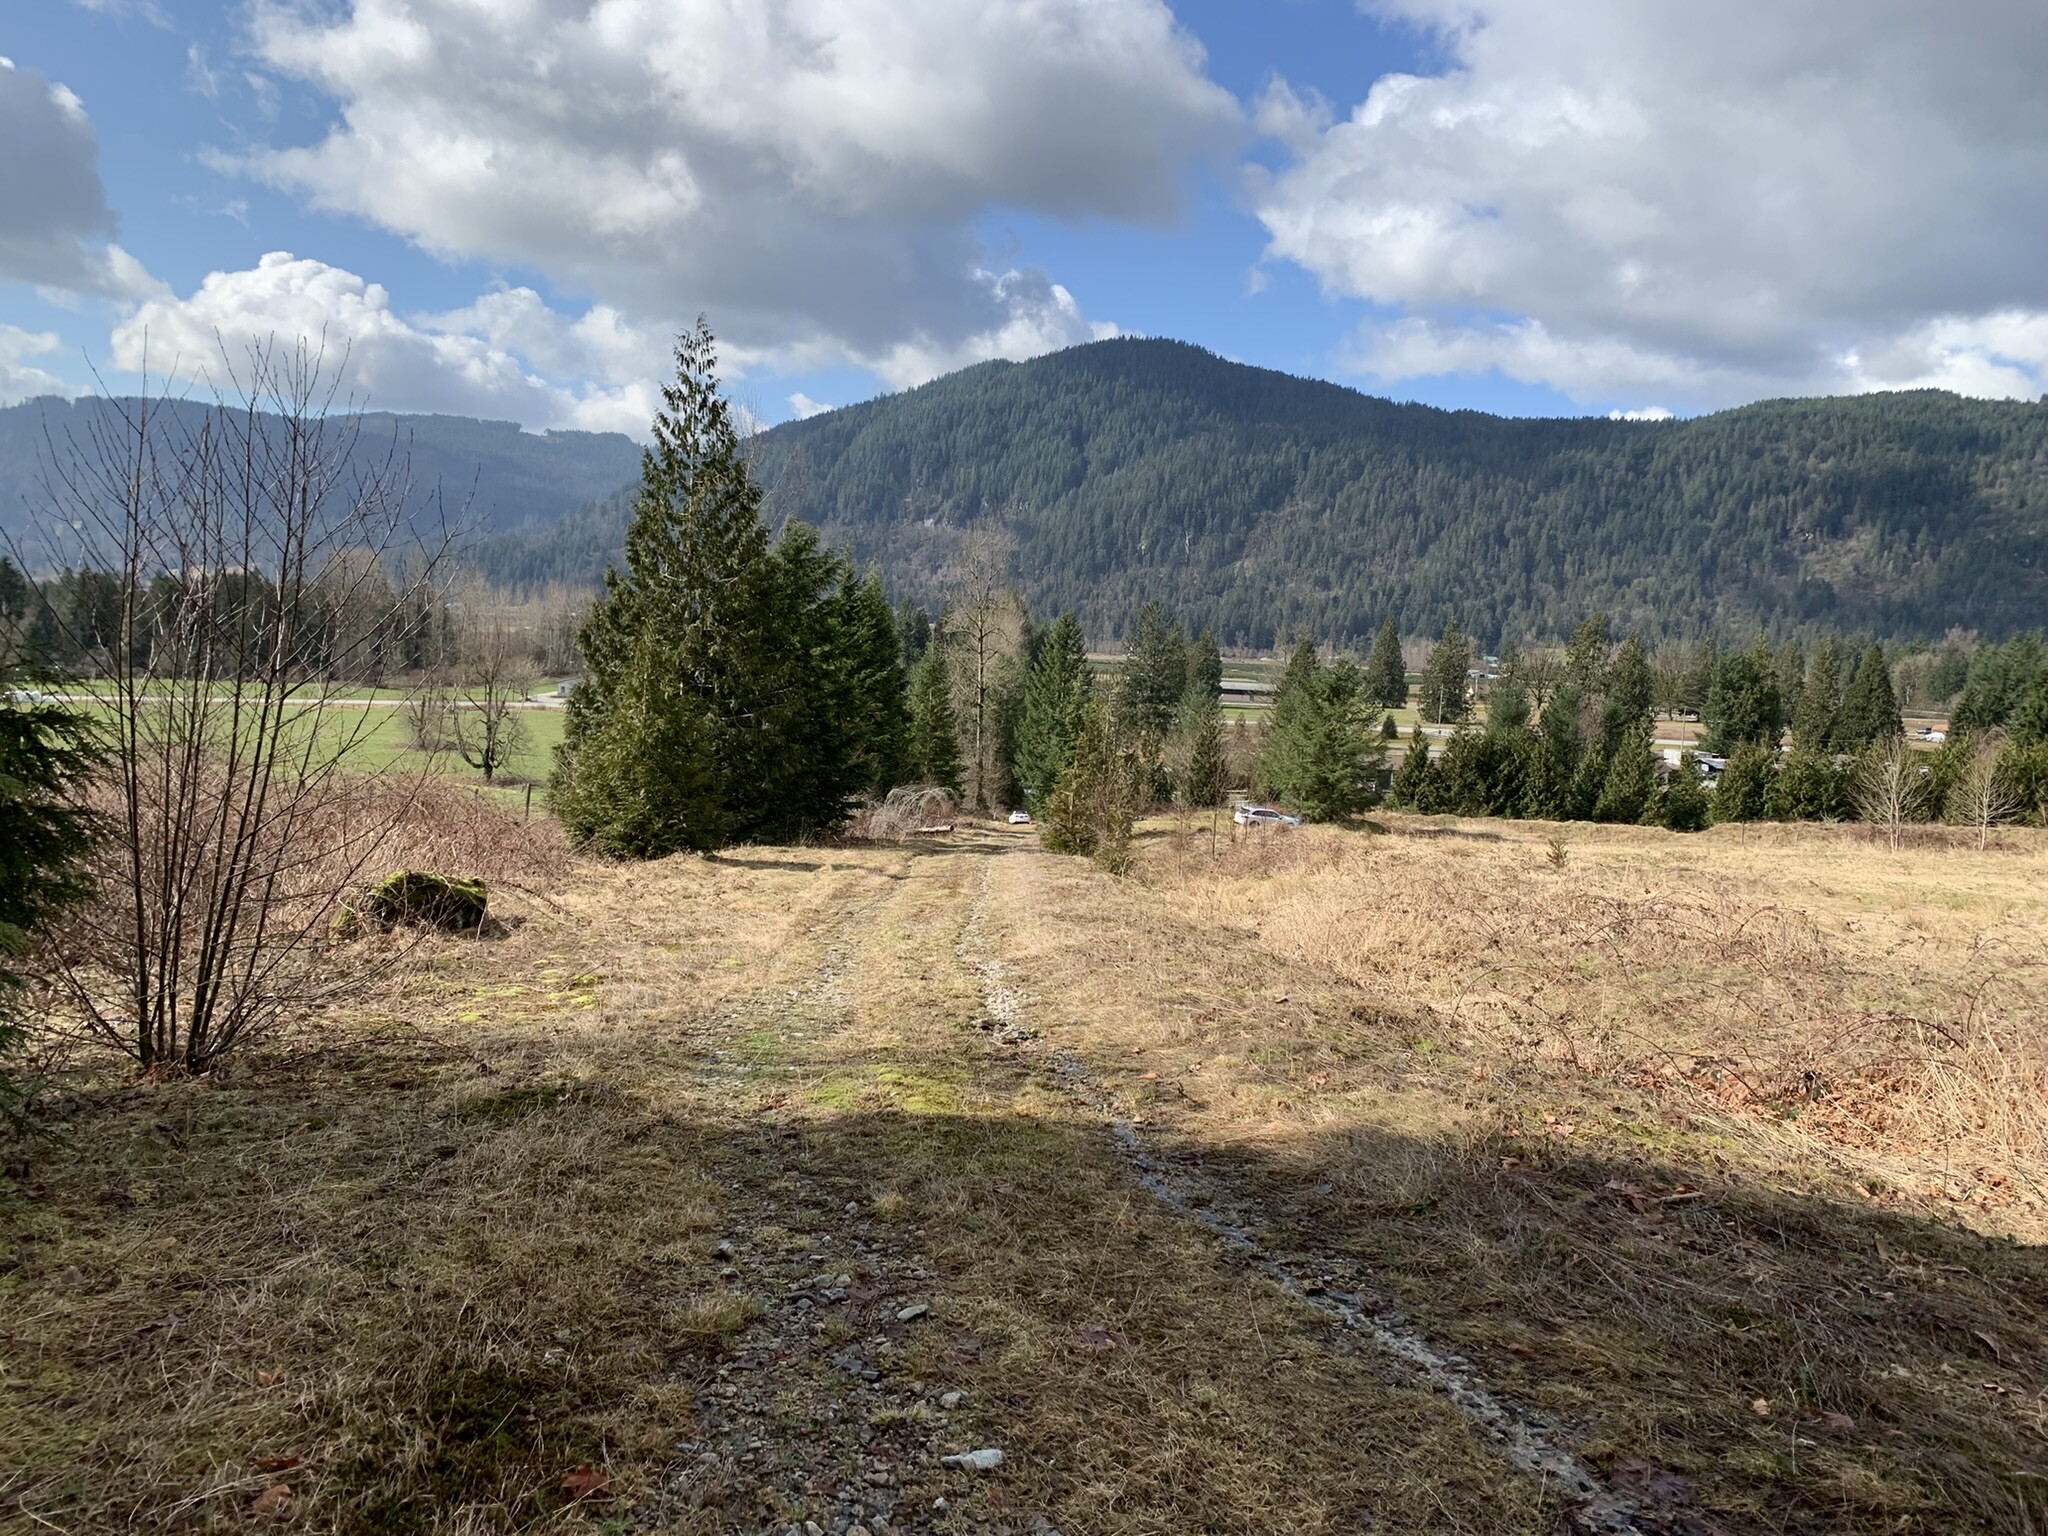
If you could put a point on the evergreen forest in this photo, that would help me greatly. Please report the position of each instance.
(1259, 506)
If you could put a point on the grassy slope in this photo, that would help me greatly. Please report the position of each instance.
(421, 1263)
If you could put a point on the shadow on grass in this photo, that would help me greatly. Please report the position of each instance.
(442, 1298)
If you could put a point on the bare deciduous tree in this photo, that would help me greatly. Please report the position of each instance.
(1981, 796)
(983, 631)
(229, 535)
(496, 672)
(1888, 788)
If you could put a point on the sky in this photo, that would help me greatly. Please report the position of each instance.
(506, 208)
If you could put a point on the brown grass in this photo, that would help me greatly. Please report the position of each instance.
(422, 1259)
(1563, 1118)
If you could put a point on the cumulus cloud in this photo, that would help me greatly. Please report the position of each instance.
(806, 170)
(19, 379)
(1716, 200)
(55, 226)
(508, 356)
(805, 407)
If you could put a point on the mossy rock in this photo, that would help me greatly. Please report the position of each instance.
(415, 896)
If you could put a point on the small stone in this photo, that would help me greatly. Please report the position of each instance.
(912, 1313)
(812, 1528)
(985, 1460)
(722, 1251)
(940, 1504)
(951, 1400)
(853, 1207)
(857, 1530)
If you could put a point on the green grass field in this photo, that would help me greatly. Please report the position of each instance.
(373, 738)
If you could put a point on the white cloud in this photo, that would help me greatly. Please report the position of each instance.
(508, 356)
(1036, 315)
(55, 226)
(1714, 201)
(807, 171)
(1641, 413)
(19, 380)
(805, 407)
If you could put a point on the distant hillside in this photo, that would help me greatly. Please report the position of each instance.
(511, 479)
(1265, 505)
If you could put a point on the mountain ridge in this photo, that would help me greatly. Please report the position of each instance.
(1264, 505)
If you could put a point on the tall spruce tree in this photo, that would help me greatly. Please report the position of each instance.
(879, 687)
(1870, 710)
(1743, 792)
(1508, 705)
(755, 636)
(1743, 707)
(1324, 758)
(1056, 694)
(1446, 677)
(1293, 698)
(1630, 787)
(913, 633)
(1386, 674)
(1205, 664)
(48, 755)
(1411, 787)
(1195, 750)
(1585, 660)
(1155, 673)
(1631, 691)
(1820, 698)
(932, 750)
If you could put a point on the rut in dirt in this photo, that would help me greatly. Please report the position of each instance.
(1529, 1441)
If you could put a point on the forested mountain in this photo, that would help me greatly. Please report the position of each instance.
(1266, 505)
(506, 478)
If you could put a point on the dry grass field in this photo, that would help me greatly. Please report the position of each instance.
(723, 1195)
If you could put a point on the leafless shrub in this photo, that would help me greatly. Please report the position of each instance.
(908, 809)
(1888, 789)
(229, 534)
(1982, 798)
(495, 672)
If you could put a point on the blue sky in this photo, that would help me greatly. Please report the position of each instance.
(1523, 206)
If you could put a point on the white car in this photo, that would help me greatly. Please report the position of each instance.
(1263, 816)
(1020, 818)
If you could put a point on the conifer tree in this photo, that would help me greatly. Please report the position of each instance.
(1386, 674)
(1743, 707)
(1092, 810)
(1056, 692)
(1325, 758)
(48, 755)
(1205, 664)
(1744, 790)
(764, 669)
(1585, 661)
(1446, 678)
(1810, 786)
(1195, 752)
(1820, 697)
(1684, 806)
(1630, 695)
(1870, 710)
(644, 781)
(2030, 719)
(913, 633)
(1155, 673)
(1630, 787)
(1412, 779)
(1508, 706)
(879, 687)
(933, 748)
(1557, 759)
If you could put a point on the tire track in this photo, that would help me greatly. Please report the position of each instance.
(1528, 1440)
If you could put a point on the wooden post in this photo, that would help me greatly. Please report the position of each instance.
(529, 804)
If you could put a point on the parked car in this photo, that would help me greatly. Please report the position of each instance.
(1020, 818)
(1262, 816)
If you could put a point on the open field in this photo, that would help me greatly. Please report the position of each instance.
(372, 733)
(699, 1189)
